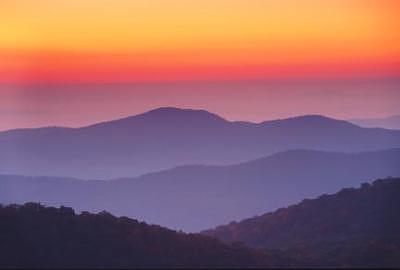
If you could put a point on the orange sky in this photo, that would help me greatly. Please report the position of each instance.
(160, 40)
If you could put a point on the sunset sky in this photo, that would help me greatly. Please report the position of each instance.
(112, 58)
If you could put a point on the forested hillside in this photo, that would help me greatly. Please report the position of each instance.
(354, 227)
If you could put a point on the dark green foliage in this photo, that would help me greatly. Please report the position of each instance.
(354, 227)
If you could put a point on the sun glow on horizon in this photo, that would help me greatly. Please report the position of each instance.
(156, 40)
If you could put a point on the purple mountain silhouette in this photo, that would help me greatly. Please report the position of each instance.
(193, 198)
(169, 137)
(349, 224)
(391, 122)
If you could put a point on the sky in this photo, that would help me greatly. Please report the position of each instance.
(74, 62)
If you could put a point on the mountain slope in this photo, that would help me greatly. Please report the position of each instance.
(169, 137)
(392, 122)
(193, 198)
(355, 227)
(33, 236)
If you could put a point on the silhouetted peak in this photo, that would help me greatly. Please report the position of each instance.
(165, 115)
(310, 120)
(313, 117)
(173, 112)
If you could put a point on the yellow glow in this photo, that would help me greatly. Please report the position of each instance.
(230, 32)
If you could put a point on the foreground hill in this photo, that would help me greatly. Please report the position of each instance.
(33, 236)
(169, 137)
(194, 198)
(355, 227)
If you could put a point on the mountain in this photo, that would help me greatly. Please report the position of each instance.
(357, 228)
(197, 197)
(391, 122)
(352, 228)
(168, 137)
(33, 236)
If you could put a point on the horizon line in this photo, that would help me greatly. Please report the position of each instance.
(183, 109)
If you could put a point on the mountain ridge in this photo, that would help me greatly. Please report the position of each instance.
(358, 211)
(49, 237)
(355, 227)
(196, 197)
(169, 137)
(161, 111)
(60, 238)
(390, 122)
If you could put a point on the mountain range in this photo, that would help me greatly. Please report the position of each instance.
(168, 137)
(33, 236)
(352, 228)
(197, 197)
(391, 122)
(356, 228)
